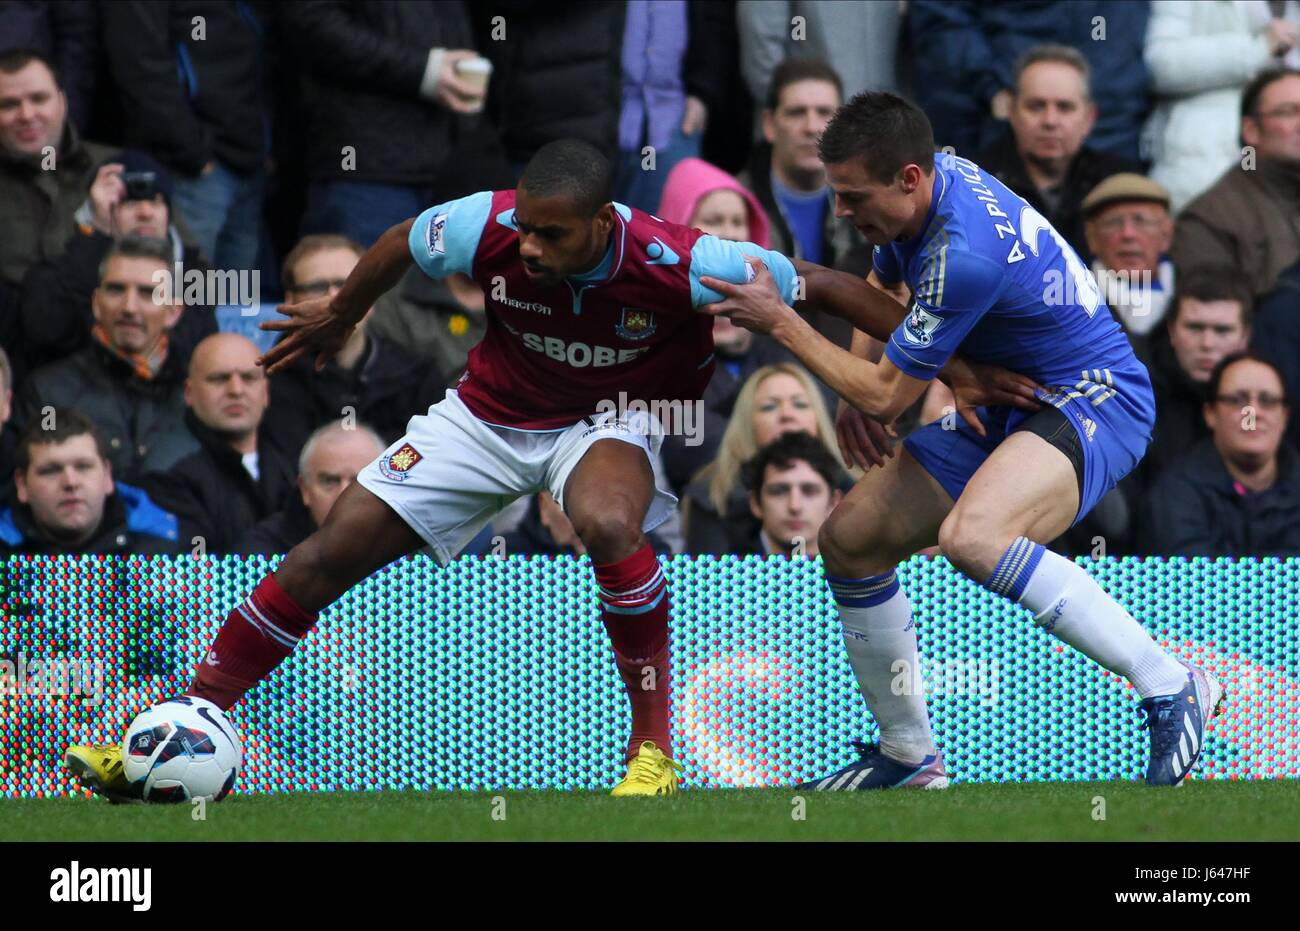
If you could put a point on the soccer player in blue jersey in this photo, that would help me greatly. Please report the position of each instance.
(981, 271)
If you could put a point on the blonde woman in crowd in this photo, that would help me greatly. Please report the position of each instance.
(775, 400)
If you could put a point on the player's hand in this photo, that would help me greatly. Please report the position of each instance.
(106, 192)
(313, 326)
(755, 306)
(975, 384)
(864, 442)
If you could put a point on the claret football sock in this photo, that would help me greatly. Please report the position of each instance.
(1070, 605)
(879, 634)
(256, 636)
(634, 610)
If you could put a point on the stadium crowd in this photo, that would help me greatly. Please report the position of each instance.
(272, 143)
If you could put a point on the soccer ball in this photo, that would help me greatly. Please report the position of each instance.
(182, 749)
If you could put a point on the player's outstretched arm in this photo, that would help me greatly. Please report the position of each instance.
(877, 313)
(841, 294)
(323, 324)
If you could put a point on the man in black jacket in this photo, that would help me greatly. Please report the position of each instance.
(328, 463)
(190, 77)
(1209, 317)
(559, 69)
(372, 379)
(62, 498)
(127, 380)
(1236, 493)
(1042, 156)
(789, 179)
(386, 114)
(238, 476)
(37, 204)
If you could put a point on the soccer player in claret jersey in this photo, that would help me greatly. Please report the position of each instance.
(983, 271)
(586, 299)
(588, 302)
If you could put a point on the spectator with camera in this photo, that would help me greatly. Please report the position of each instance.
(130, 196)
(45, 168)
(63, 498)
(238, 475)
(126, 380)
(328, 464)
(794, 484)
(1236, 492)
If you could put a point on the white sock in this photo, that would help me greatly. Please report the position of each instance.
(1071, 606)
(878, 633)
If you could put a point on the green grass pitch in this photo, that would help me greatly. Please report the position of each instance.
(1199, 811)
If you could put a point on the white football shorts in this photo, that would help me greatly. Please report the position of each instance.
(451, 473)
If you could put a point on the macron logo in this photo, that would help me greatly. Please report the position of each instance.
(526, 305)
(103, 884)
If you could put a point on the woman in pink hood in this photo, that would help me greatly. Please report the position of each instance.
(705, 197)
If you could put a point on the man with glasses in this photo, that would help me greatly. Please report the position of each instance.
(1250, 217)
(1128, 229)
(372, 379)
(1237, 492)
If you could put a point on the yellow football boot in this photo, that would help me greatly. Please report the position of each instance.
(649, 773)
(99, 767)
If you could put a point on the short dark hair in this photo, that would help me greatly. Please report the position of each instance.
(1255, 89)
(885, 130)
(67, 423)
(783, 453)
(1244, 355)
(136, 246)
(1211, 283)
(794, 70)
(15, 60)
(570, 168)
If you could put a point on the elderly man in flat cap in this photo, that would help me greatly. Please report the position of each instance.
(1129, 230)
